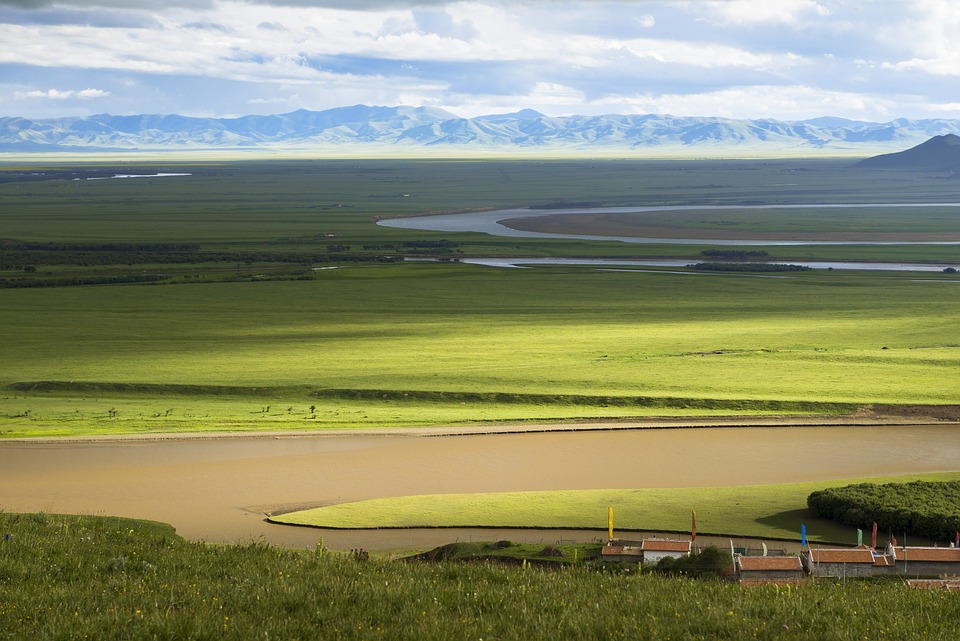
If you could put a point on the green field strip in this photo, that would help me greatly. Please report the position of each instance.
(761, 511)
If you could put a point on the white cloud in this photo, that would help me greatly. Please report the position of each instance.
(931, 28)
(56, 94)
(765, 11)
(776, 102)
(744, 58)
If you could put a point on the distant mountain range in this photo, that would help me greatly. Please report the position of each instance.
(404, 130)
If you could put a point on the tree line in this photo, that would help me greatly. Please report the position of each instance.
(75, 281)
(19, 256)
(748, 267)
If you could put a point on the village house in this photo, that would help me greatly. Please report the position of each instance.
(899, 561)
(758, 570)
(655, 549)
(648, 551)
(617, 550)
(927, 562)
(950, 585)
(848, 562)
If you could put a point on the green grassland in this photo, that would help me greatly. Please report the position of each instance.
(287, 206)
(93, 577)
(659, 342)
(759, 511)
(241, 332)
(837, 221)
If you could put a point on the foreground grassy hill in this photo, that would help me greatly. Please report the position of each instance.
(93, 577)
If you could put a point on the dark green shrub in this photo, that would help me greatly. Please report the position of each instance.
(920, 508)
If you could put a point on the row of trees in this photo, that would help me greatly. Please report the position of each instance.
(17, 256)
(20, 283)
(749, 267)
(18, 260)
(101, 247)
(921, 508)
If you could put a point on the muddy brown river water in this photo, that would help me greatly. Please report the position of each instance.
(220, 489)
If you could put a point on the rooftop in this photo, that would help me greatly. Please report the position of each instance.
(768, 563)
(942, 555)
(665, 545)
(842, 555)
(620, 550)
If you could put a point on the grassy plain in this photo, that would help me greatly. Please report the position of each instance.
(93, 577)
(306, 205)
(826, 223)
(552, 343)
(759, 511)
(247, 335)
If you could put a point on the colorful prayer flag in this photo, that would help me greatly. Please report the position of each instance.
(859, 536)
(693, 526)
(803, 535)
(873, 541)
(610, 521)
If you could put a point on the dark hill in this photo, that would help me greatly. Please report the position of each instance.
(940, 153)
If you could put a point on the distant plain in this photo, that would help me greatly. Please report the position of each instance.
(289, 310)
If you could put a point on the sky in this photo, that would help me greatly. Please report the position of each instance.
(874, 60)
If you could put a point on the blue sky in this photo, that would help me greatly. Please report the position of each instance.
(872, 60)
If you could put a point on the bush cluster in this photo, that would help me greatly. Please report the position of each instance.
(711, 561)
(920, 508)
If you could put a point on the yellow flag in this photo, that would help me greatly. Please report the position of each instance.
(610, 521)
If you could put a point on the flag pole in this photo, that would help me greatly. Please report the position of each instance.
(693, 529)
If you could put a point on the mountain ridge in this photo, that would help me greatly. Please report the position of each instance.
(940, 153)
(362, 127)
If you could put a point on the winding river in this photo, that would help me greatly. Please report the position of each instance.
(220, 489)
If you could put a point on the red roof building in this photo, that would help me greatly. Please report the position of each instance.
(655, 549)
(759, 570)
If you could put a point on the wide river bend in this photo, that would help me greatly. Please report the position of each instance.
(220, 489)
